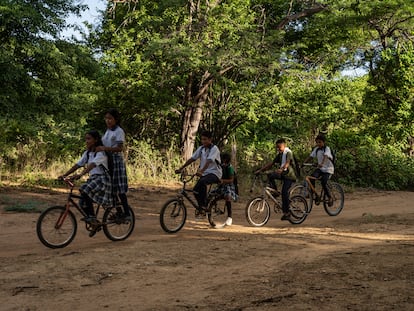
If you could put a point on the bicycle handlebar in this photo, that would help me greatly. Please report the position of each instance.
(309, 164)
(68, 181)
(185, 178)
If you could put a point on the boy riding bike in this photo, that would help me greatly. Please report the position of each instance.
(325, 167)
(209, 170)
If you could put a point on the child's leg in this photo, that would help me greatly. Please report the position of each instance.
(324, 182)
(124, 202)
(200, 189)
(272, 179)
(287, 183)
(228, 206)
(88, 205)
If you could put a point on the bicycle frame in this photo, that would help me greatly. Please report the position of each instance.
(266, 190)
(70, 201)
(184, 192)
(308, 184)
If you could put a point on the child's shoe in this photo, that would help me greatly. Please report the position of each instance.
(229, 221)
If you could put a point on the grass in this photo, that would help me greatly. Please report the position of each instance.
(25, 207)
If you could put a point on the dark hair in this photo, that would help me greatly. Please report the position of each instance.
(280, 141)
(95, 134)
(115, 113)
(320, 137)
(206, 133)
(225, 157)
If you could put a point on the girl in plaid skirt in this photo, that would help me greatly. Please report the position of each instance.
(98, 187)
(113, 142)
(227, 186)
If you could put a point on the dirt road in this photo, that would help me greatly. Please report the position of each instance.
(359, 260)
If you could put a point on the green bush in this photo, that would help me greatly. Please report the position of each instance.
(366, 162)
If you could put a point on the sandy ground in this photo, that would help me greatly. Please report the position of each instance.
(362, 259)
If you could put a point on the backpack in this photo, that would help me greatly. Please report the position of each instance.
(333, 152)
(235, 183)
(296, 166)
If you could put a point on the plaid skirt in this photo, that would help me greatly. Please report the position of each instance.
(99, 189)
(228, 190)
(119, 177)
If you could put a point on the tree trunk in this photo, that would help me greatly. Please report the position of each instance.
(193, 112)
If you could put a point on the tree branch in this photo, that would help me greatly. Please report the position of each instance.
(305, 13)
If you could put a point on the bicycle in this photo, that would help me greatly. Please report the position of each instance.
(173, 214)
(336, 190)
(56, 226)
(258, 208)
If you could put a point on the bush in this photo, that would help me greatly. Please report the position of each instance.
(366, 162)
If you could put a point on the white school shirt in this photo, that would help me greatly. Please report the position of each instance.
(319, 153)
(94, 157)
(284, 155)
(113, 137)
(213, 154)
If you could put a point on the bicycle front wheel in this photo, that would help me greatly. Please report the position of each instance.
(298, 209)
(258, 212)
(56, 227)
(217, 214)
(173, 216)
(115, 225)
(338, 197)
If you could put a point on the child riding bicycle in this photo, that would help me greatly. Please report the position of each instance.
(285, 171)
(325, 168)
(98, 187)
(209, 170)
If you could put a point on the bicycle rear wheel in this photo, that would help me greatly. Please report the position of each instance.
(304, 191)
(173, 216)
(338, 197)
(217, 214)
(258, 212)
(56, 227)
(298, 209)
(115, 225)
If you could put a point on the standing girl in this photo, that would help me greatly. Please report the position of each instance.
(113, 142)
(98, 187)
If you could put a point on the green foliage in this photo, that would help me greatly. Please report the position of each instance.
(390, 102)
(146, 164)
(47, 89)
(254, 70)
(367, 162)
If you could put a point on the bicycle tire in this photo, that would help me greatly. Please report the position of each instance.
(217, 213)
(304, 191)
(47, 231)
(337, 192)
(173, 216)
(258, 212)
(115, 226)
(298, 208)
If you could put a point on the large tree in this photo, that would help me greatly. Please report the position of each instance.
(46, 83)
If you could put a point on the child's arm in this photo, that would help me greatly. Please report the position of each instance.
(267, 166)
(87, 169)
(187, 163)
(201, 170)
(117, 148)
(70, 171)
(228, 181)
(323, 161)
